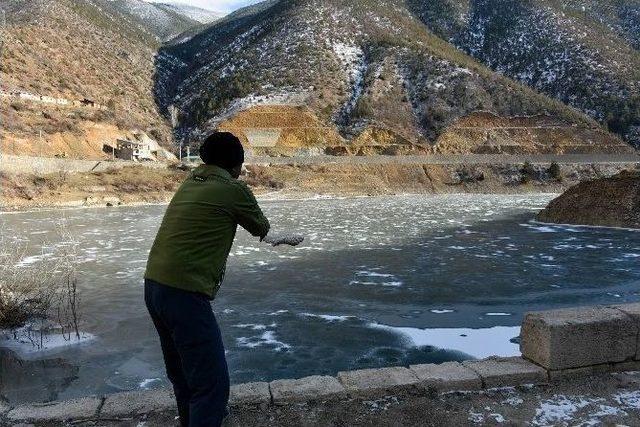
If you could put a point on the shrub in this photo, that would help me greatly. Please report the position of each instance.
(38, 296)
(362, 109)
(469, 175)
(555, 172)
(17, 106)
(256, 176)
(528, 172)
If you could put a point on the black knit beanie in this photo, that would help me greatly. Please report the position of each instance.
(222, 149)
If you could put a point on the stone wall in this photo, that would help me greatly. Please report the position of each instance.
(583, 340)
(562, 343)
(45, 165)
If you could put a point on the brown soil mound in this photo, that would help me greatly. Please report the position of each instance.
(611, 202)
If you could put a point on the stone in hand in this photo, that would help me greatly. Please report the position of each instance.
(285, 239)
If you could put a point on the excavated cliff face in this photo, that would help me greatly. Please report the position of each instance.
(611, 202)
(486, 133)
(281, 130)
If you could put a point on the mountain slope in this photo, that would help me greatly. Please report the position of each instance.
(74, 50)
(584, 53)
(356, 64)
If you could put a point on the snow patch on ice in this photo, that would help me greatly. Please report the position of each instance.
(268, 338)
(478, 343)
(30, 341)
(329, 318)
(147, 382)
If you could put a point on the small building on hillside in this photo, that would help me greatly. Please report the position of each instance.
(141, 148)
(133, 150)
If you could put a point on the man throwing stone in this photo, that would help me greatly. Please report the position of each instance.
(184, 272)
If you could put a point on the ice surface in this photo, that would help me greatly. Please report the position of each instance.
(30, 344)
(386, 261)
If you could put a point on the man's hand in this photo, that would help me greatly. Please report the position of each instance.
(285, 239)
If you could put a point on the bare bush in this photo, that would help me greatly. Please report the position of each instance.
(39, 293)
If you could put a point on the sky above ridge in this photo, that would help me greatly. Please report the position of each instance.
(217, 5)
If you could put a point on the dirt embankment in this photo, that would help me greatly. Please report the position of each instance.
(143, 185)
(611, 202)
(112, 187)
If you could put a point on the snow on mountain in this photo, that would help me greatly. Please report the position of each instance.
(361, 64)
(164, 21)
(203, 16)
(583, 53)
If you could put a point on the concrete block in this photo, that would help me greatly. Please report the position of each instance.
(138, 402)
(632, 310)
(304, 389)
(507, 371)
(578, 337)
(568, 374)
(55, 411)
(447, 376)
(250, 394)
(378, 379)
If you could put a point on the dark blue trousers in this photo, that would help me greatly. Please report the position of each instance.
(193, 353)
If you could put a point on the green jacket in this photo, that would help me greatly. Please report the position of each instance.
(191, 248)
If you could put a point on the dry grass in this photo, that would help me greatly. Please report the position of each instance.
(39, 292)
(259, 177)
(135, 179)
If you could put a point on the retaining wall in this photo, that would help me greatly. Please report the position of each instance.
(562, 343)
(45, 165)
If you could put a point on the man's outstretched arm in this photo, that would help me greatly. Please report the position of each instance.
(248, 213)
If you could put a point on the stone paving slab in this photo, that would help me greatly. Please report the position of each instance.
(632, 310)
(137, 402)
(85, 407)
(577, 337)
(447, 376)
(250, 394)
(309, 388)
(507, 371)
(376, 379)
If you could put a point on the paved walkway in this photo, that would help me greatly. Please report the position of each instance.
(608, 399)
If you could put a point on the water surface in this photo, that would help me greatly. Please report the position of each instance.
(379, 281)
